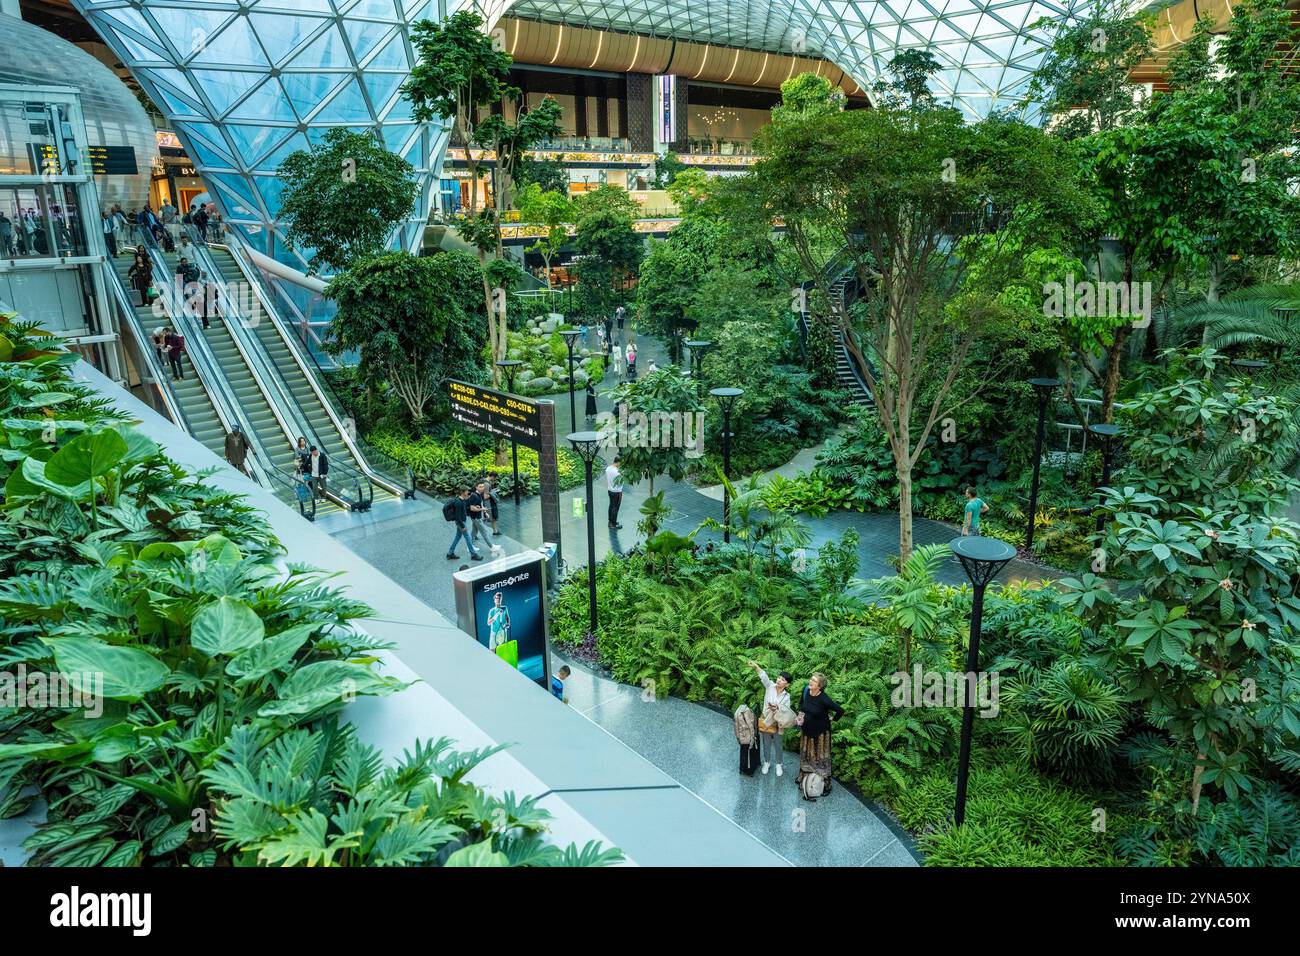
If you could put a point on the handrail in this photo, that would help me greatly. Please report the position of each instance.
(268, 374)
(267, 378)
(229, 411)
(316, 379)
(158, 374)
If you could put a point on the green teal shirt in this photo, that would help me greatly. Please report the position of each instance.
(973, 508)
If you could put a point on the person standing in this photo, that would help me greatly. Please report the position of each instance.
(237, 448)
(457, 511)
(479, 513)
(591, 402)
(7, 235)
(160, 342)
(631, 361)
(816, 711)
(141, 276)
(320, 469)
(175, 346)
(614, 485)
(110, 238)
(776, 709)
(200, 222)
(975, 507)
(302, 452)
(620, 319)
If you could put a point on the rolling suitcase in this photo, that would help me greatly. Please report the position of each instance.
(749, 759)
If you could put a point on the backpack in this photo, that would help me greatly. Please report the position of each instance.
(746, 725)
(449, 509)
(813, 785)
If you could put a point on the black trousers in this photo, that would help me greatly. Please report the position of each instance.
(111, 241)
(615, 500)
(175, 359)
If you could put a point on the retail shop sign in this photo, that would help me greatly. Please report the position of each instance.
(497, 413)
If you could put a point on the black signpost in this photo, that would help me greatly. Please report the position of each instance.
(531, 424)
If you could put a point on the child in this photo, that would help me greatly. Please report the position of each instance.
(557, 682)
(974, 508)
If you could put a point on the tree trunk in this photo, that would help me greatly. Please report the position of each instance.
(1196, 782)
(904, 513)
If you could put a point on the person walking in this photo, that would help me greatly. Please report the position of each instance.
(975, 507)
(591, 402)
(494, 506)
(479, 514)
(200, 222)
(614, 485)
(237, 448)
(816, 711)
(620, 319)
(631, 361)
(319, 469)
(456, 510)
(110, 238)
(775, 717)
(141, 276)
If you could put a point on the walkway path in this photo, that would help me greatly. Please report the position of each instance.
(693, 744)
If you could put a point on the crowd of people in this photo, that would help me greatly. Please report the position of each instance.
(167, 226)
(28, 232)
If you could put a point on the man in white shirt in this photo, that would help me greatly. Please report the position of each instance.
(614, 485)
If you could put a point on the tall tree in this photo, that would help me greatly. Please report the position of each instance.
(411, 320)
(892, 185)
(609, 248)
(343, 197)
(553, 212)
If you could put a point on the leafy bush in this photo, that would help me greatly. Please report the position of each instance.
(162, 598)
(442, 467)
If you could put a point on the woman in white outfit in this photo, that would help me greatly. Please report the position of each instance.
(775, 717)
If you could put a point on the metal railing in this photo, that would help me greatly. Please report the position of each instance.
(152, 363)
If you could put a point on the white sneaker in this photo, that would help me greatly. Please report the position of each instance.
(768, 766)
(778, 770)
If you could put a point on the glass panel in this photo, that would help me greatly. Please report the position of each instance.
(234, 45)
(41, 222)
(224, 87)
(211, 137)
(381, 86)
(305, 90)
(364, 36)
(187, 29)
(251, 140)
(348, 106)
(267, 102)
(391, 57)
(280, 34)
(327, 51)
(294, 143)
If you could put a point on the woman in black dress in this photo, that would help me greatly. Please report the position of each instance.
(816, 711)
(591, 402)
(141, 276)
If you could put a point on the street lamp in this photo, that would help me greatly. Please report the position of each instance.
(571, 339)
(727, 399)
(699, 348)
(1044, 388)
(1251, 367)
(587, 445)
(510, 367)
(981, 558)
(1107, 435)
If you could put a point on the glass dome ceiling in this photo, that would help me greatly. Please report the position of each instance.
(246, 83)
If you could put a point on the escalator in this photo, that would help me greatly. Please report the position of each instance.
(200, 417)
(296, 381)
(231, 386)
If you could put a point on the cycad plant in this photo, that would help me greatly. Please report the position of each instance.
(917, 610)
(322, 798)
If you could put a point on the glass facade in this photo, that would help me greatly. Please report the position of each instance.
(246, 83)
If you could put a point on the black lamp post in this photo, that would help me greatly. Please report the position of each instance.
(510, 367)
(587, 445)
(727, 398)
(981, 558)
(1044, 388)
(1107, 435)
(699, 348)
(1250, 367)
(571, 340)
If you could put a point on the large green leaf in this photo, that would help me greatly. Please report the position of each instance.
(35, 481)
(324, 683)
(89, 456)
(127, 673)
(270, 655)
(477, 854)
(226, 627)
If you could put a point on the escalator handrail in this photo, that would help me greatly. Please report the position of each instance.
(316, 379)
(153, 364)
(270, 381)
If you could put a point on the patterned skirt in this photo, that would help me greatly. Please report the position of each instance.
(815, 757)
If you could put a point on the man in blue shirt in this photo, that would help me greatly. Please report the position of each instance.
(975, 507)
(557, 682)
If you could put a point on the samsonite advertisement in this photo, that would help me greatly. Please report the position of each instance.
(502, 604)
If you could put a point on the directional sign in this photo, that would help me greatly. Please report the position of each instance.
(498, 413)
